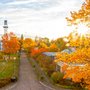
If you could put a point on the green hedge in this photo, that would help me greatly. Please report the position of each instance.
(57, 77)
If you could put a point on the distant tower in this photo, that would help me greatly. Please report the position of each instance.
(5, 26)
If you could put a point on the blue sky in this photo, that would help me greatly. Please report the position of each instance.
(38, 17)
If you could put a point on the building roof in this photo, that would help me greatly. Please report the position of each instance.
(50, 53)
(61, 63)
(69, 50)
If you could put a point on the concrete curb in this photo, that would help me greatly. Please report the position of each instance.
(46, 85)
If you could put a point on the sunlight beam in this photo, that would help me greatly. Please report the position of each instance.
(82, 29)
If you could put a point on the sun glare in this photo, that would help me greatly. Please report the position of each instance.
(82, 29)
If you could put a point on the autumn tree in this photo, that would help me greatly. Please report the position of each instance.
(35, 52)
(77, 41)
(78, 74)
(10, 43)
(61, 44)
(77, 17)
(42, 42)
(28, 44)
(53, 48)
(81, 16)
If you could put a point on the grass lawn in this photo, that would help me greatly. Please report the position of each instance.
(8, 71)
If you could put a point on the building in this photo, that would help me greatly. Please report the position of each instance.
(60, 64)
(5, 27)
(50, 54)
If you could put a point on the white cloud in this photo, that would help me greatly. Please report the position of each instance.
(19, 2)
(48, 21)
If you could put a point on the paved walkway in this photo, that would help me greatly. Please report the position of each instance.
(27, 78)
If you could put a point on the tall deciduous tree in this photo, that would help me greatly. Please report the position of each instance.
(53, 48)
(82, 54)
(28, 44)
(10, 43)
(42, 42)
(61, 44)
(83, 15)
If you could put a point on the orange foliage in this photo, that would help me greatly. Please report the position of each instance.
(28, 44)
(53, 48)
(79, 56)
(79, 74)
(75, 40)
(82, 54)
(10, 43)
(81, 15)
(35, 52)
(64, 67)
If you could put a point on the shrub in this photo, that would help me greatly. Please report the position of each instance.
(46, 64)
(57, 76)
(51, 68)
(1, 55)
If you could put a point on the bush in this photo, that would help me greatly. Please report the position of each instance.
(57, 77)
(50, 69)
(1, 55)
(47, 64)
(4, 82)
